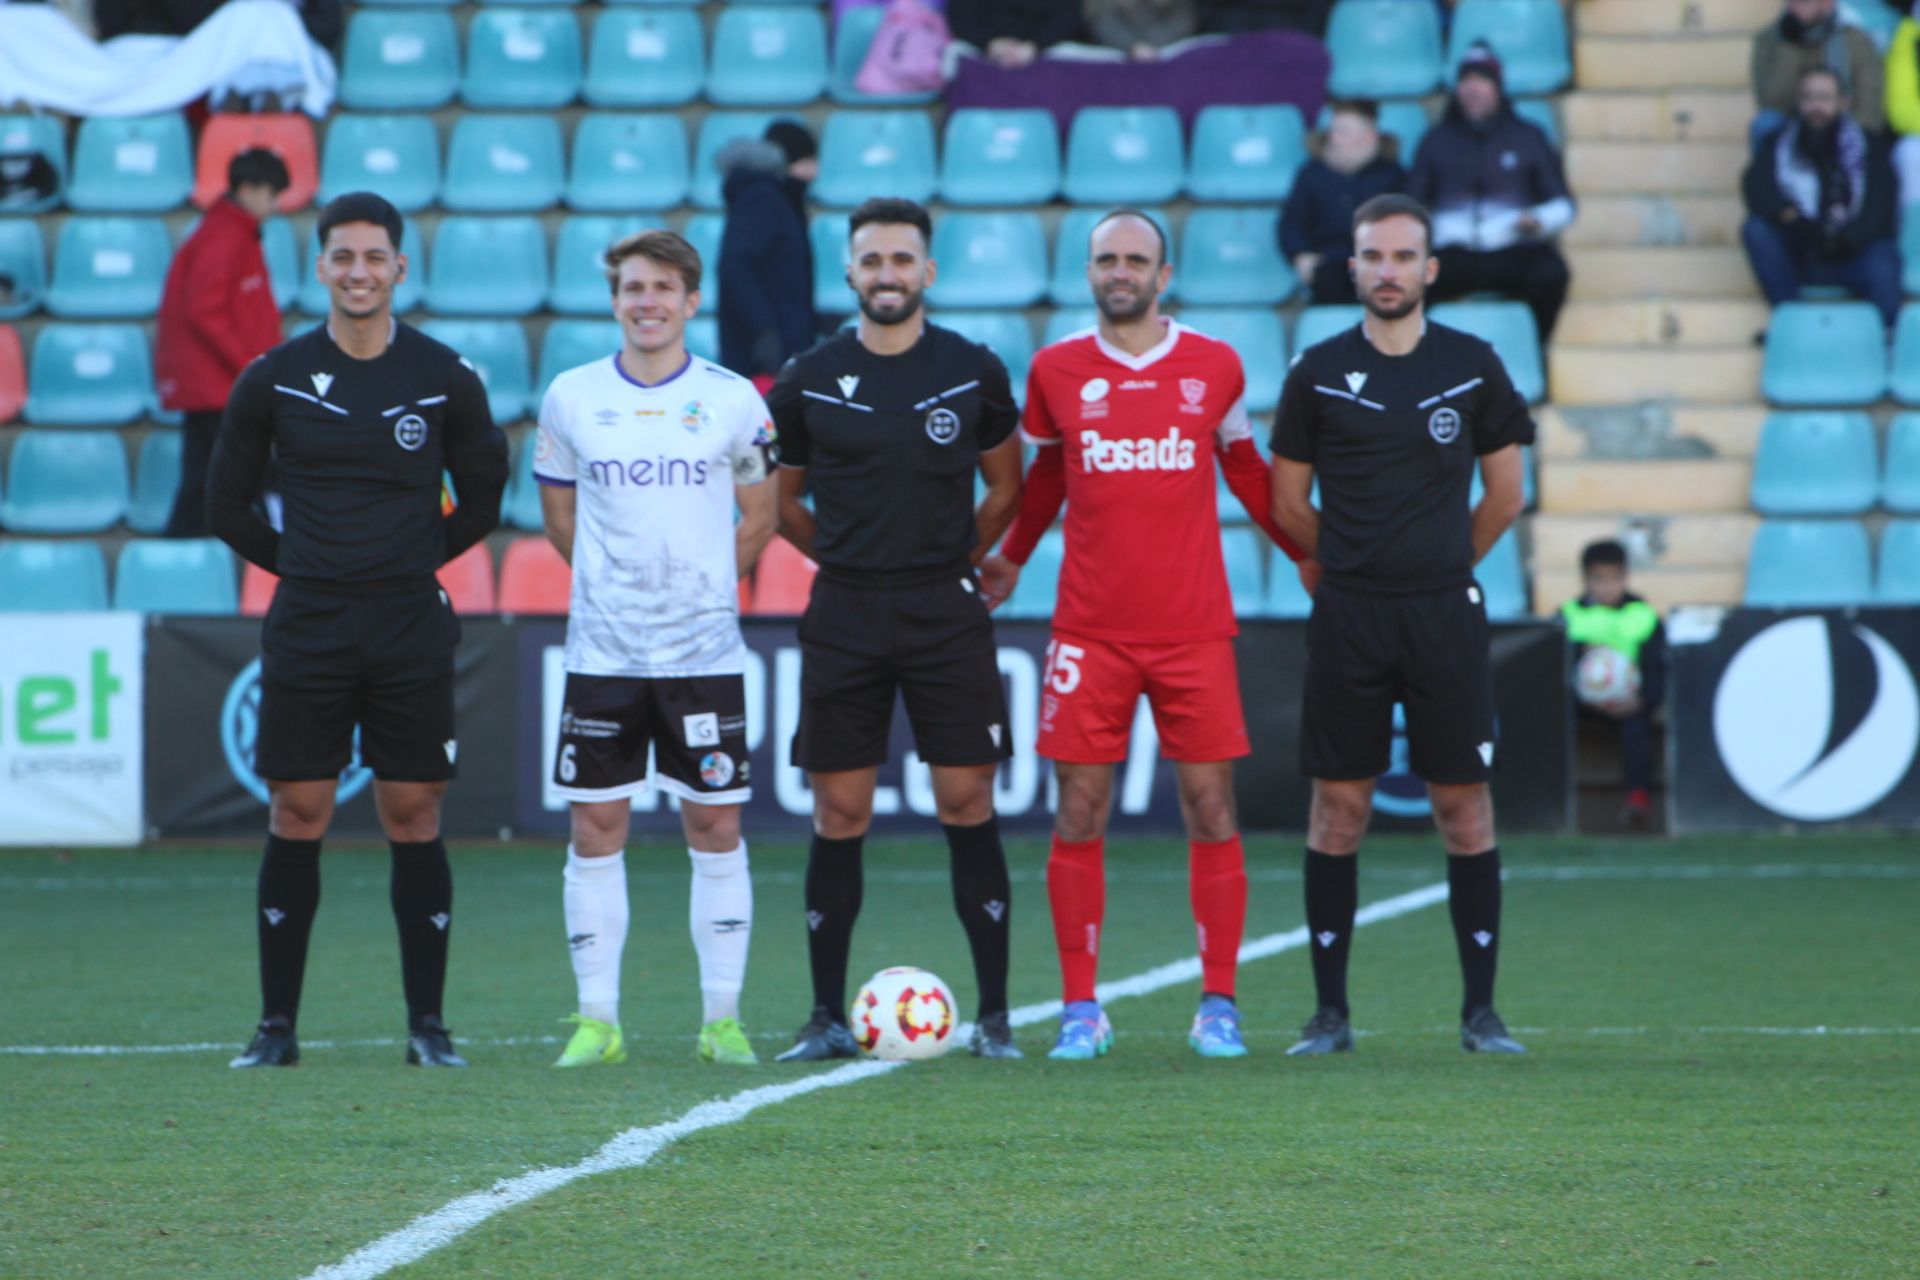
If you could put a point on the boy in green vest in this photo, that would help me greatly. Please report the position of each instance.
(1609, 615)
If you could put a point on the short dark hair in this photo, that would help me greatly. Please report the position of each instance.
(1394, 205)
(892, 209)
(1149, 219)
(1604, 552)
(668, 248)
(1823, 70)
(1354, 106)
(257, 166)
(360, 206)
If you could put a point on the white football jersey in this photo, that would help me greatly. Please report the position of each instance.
(654, 577)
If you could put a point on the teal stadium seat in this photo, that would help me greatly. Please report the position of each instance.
(572, 343)
(646, 58)
(407, 295)
(412, 4)
(870, 153)
(1286, 598)
(283, 261)
(1317, 324)
(1246, 153)
(497, 350)
(1910, 250)
(827, 234)
(1809, 564)
(853, 33)
(23, 258)
(1124, 155)
(504, 164)
(703, 337)
(176, 575)
(1246, 580)
(1384, 48)
(1000, 156)
(1898, 581)
(623, 162)
(1529, 35)
(1255, 333)
(716, 131)
(65, 482)
(1825, 353)
(89, 375)
(1006, 333)
(394, 156)
(989, 260)
(51, 577)
(1901, 488)
(131, 164)
(1039, 581)
(1067, 285)
(1407, 121)
(1064, 322)
(44, 134)
(1510, 327)
(764, 55)
(523, 59)
(156, 478)
(579, 262)
(1229, 257)
(1904, 382)
(703, 232)
(400, 60)
(488, 266)
(520, 505)
(1816, 464)
(1540, 112)
(1502, 578)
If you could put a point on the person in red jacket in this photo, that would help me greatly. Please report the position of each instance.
(216, 315)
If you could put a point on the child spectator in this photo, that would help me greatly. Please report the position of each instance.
(1609, 616)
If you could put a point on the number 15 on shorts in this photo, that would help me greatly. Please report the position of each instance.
(1063, 666)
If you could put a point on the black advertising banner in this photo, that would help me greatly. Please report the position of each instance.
(203, 699)
(1785, 718)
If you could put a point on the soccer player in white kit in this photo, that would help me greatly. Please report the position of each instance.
(641, 458)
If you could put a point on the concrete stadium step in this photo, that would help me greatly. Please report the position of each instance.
(1664, 588)
(1718, 486)
(1663, 323)
(1702, 115)
(1646, 432)
(1654, 168)
(1660, 272)
(1655, 541)
(1674, 17)
(1617, 221)
(1628, 375)
(1668, 63)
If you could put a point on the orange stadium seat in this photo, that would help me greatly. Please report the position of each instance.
(13, 374)
(289, 136)
(256, 590)
(782, 581)
(534, 579)
(468, 580)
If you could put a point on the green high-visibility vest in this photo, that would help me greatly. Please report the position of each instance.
(1625, 628)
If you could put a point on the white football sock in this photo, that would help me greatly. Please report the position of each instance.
(595, 899)
(720, 917)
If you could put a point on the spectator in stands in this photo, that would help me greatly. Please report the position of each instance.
(1013, 32)
(1820, 203)
(1141, 27)
(1231, 17)
(1351, 165)
(1808, 34)
(1498, 196)
(216, 315)
(1608, 615)
(1903, 106)
(765, 273)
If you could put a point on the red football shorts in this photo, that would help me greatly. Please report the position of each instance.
(1091, 687)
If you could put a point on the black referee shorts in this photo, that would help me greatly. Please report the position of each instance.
(932, 642)
(1428, 651)
(330, 662)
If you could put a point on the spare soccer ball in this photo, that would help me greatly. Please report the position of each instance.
(902, 1014)
(1605, 675)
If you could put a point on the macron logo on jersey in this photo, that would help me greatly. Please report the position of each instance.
(1171, 452)
(321, 382)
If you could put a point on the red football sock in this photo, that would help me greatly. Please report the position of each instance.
(1218, 880)
(1077, 888)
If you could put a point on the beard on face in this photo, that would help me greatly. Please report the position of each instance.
(1143, 297)
(903, 312)
(1409, 299)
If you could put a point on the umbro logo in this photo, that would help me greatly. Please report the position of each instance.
(731, 926)
(579, 940)
(997, 909)
(274, 915)
(1355, 381)
(1326, 937)
(441, 920)
(321, 381)
(849, 383)
(1484, 938)
(815, 919)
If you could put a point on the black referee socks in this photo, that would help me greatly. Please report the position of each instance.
(982, 896)
(832, 895)
(288, 897)
(422, 893)
(1473, 900)
(1333, 895)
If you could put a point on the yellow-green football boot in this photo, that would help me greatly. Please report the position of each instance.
(593, 1043)
(724, 1040)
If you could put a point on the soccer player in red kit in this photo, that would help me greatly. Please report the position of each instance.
(1130, 420)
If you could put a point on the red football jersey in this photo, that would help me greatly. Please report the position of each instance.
(1142, 530)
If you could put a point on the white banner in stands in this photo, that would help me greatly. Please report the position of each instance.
(70, 731)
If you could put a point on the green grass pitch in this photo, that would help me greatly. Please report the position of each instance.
(1681, 1113)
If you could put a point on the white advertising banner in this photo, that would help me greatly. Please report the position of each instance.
(70, 728)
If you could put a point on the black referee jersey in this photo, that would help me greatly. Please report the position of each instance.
(1393, 441)
(358, 447)
(891, 444)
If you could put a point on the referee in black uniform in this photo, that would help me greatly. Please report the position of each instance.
(887, 424)
(1392, 415)
(360, 417)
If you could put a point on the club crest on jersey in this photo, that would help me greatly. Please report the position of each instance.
(695, 417)
(1094, 389)
(1444, 425)
(1193, 390)
(410, 432)
(943, 426)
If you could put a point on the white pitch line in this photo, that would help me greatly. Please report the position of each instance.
(635, 1147)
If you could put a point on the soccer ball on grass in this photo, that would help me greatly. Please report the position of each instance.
(903, 1014)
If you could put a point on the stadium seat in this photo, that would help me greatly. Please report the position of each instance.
(703, 231)
(782, 581)
(989, 260)
(89, 375)
(703, 338)
(283, 261)
(571, 343)
(400, 60)
(1286, 598)
(498, 351)
(13, 374)
(1825, 353)
(109, 267)
(407, 295)
(579, 262)
(468, 580)
(23, 260)
(256, 590)
(1900, 490)
(1063, 322)
(520, 506)
(1898, 579)
(396, 156)
(1006, 333)
(1384, 48)
(1033, 595)
(1124, 155)
(764, 55)
(1317, 324)
(716, 131)
(156, 478)
(51, 577)
(522, 58)
(646, 58)
(853, 31)
(865, 153)
(534, 579)
(1246, 153)
(65, 482)
(288, 135)
(1503, 579)
(1910, 251)
(20, 135)
(1240, 548)
(504, 164)
(1510, 327)
(131, 164)
(625, 162)
(1000, 156)
(1255, 333)
(1816, 464)
(1229, 257)
(1809, 564)
(175, 575)
(1905, 379)
(1067, 284)
(1540, 111)
(1407, 121)
(488, 266)
(827, 234)
(1529, 35)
